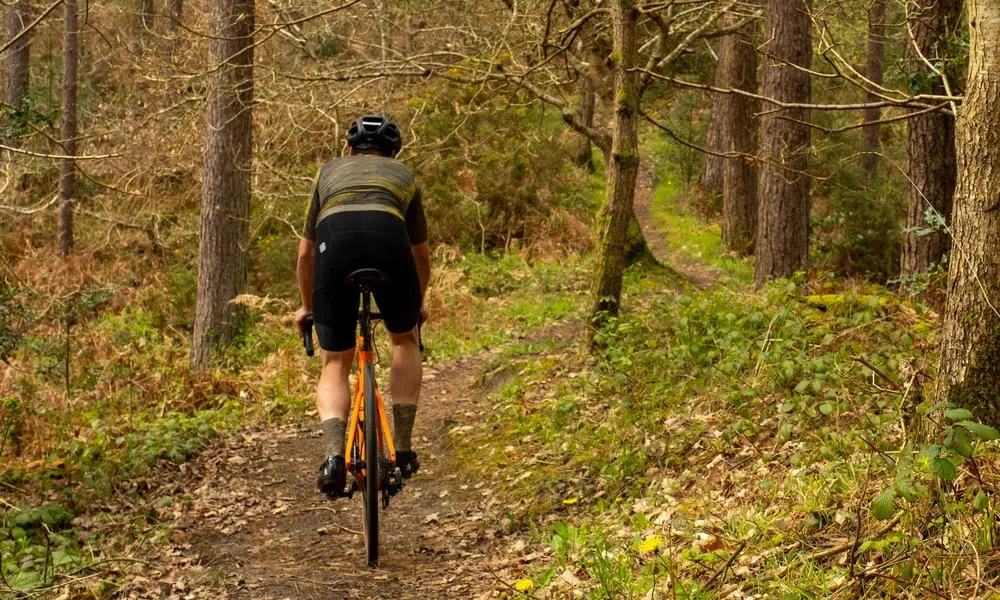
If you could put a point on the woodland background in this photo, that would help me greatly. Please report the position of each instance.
(818, 162)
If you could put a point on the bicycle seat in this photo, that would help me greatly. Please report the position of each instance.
(366, 277)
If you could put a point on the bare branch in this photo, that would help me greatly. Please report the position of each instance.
(57, 156)
(917, 101)
(30, 26)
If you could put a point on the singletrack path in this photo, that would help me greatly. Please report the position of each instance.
(700, 275)
(257, 528)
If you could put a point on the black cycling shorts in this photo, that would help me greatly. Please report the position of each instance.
(346, 242)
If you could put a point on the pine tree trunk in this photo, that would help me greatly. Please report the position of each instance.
(15, 60)
(147, 10)
(738, 62)
(873, 71)
(384, 29)
(588, 97)
(407, 29)
(175, 10)
(782, 243)
(143, 25)
(930, 140)
(712, 166)
(68, 129)
(225, 211)
(969, 367)
(616, 213)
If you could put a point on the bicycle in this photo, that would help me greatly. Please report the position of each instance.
(378, 478)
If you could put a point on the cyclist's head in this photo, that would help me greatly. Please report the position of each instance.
(374, 133)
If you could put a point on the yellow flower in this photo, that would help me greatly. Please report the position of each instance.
(524, 585)
(568, 501)
(651, 544)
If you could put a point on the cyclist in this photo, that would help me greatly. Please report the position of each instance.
(366, 211)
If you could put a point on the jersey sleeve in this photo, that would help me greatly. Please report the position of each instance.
(416, 222)
(312, 212)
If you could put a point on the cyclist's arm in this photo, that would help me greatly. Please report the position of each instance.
(304, 272)
(416, 227)
(307, 251)
(422, 256)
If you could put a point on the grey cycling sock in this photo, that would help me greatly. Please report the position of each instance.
(403, 416)
(333, 432)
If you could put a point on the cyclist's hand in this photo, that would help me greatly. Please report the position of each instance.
(300, 317)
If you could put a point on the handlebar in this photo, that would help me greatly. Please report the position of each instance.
(307, 335)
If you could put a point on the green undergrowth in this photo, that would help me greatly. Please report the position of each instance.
(695, 239)
(479, 302)
(93, 415)
(722, 440)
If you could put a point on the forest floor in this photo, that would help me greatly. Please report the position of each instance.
(257, 527)
(697, 273)
(724, 443)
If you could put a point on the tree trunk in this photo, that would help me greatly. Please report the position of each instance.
(969, 368)
(616, 213)
(930, 140)
(68, 129)
(175, 10)
(712, 166)
(588, 97)
(225, 211)
(407, 29)
(15, 61)
(146, 9)
(782, 244)
(143, 25)
(384, 29)
(738, 63)
(873, 71)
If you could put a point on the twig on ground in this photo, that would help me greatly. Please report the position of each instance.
(830, 551)
(726, 566)
(507, 585)
(343, 528)
(877, 371)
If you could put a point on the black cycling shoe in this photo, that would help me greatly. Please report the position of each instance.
(332, 479)
(407, 463)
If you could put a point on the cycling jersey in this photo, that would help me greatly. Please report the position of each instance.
(367, 182)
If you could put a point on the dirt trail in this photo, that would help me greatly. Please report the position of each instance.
(257, 528)
(700, 275)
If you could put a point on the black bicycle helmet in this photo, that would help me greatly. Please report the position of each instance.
(374, 132)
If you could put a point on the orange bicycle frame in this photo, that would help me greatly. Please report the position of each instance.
(354, 433)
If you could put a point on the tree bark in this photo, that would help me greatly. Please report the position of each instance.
(225, 211)
(873, 71)
(588, 100)
(738, 63)
(143, 25)
(969, 367)
(175, 10)
(384, 29)
(782, 243)
(930, 139)
(616, 212)
(712, 166)
(15, 61)
(68, 127)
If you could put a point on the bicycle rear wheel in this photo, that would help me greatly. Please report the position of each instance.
(371, 493)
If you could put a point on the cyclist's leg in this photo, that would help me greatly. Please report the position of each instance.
(333, 396)
(404, 384)
(400, 307)
(335, 310)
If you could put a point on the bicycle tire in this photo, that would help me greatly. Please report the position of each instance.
(371, 492)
